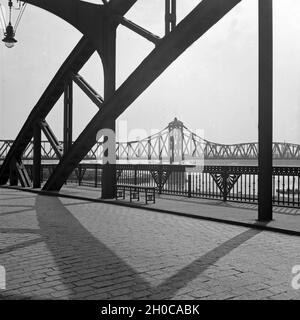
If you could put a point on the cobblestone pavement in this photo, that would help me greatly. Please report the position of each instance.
(58, 248)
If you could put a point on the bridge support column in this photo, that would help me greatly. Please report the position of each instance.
(68, 115)
(13, 173)
(265, 112)
(108, 178)
(170, 15)
(36, 168)
(108, 181)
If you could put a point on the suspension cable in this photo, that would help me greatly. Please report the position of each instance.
(2, 17)
(20, 15)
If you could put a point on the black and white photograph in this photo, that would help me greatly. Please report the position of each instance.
(149, 155)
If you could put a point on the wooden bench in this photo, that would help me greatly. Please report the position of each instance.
(134, 192)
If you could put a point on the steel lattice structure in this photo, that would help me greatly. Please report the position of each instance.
(159, 147)
(98, 24)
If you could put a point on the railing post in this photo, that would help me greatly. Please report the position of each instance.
(96, 175)
(135, 175)
(159, 180)
(224, 179)
(189, 185)
(42, 173)
(79, 174)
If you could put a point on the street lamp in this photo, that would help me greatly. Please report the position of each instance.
(9, 38)
(9, 30)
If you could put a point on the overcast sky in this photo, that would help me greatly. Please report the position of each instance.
(212, 86)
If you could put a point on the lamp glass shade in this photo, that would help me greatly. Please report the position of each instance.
(9, 44)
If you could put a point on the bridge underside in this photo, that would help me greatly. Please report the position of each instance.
(98, 24)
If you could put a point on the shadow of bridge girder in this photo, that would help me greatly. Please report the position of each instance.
(75, 248)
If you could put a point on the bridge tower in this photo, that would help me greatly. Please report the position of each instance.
(176, 141)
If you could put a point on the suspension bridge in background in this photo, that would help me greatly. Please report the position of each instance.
(175, 143)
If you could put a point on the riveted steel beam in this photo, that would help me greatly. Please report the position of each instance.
(23, 174)
(108, 178)
(120, 7)
(78, 57)
(170, 15)
(37, 159)
(13, 173)
(54, 142)
(139, 30)
(198, 22)
(88, 90)
(89, 18)
(265, 111)
(86, 17)
(68, 115)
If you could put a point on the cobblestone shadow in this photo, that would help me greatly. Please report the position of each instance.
(99, 269)
(84, 261)
(81, 266)
(193, 270)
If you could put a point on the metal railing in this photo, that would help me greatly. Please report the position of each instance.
(225, 183)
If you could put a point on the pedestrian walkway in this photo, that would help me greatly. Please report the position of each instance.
(286, 219)
(63, 248)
